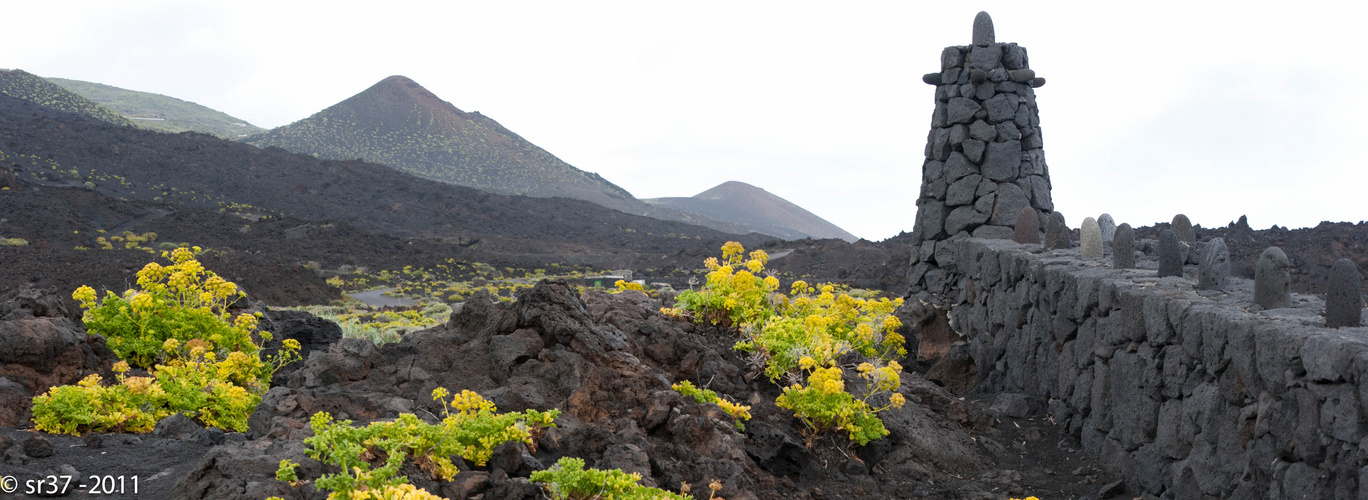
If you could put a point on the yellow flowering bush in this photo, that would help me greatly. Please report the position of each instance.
(182, 301)
(471, 432)
(733, 292)
(808, 334)
(194, 382)
(202, 365)
(621, 286)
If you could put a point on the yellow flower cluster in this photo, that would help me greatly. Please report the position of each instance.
(807, 332)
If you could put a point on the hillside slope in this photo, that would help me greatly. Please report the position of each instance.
(21, 84)
(205, 172)
(756, 210)
(397, 122)
(159, 112)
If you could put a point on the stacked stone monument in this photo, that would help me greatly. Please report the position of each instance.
(985, 160)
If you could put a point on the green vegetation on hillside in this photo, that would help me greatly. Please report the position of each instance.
(398, 123)
(159, 112)
(23, 85)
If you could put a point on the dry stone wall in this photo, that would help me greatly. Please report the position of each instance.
(1189, 393)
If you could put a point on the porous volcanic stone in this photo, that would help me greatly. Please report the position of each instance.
(1001, 108)
(1027, 227)
(950, 58)
(1108, 227)
(983, 29)
(1272, 279)
(1214, 271)
(1014, 57)
(973, 149)
(983, 59)
(1057, 232)
(1170, 254)
(961, 192)
(1182, 227)
(1090, 237)
(1002, 160)
(961, 110)
(962, 218)
(958, 166)
(1010, 200)
(1123, 247)
(1344, 298)
(930, 219)
(982, 131)
(990, 232)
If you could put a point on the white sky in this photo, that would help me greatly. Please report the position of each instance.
(1209, 109)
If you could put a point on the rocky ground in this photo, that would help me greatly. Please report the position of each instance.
(605, 360)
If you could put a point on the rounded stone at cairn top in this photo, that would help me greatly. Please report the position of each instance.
(1123, 247)
(1027, 229)
(1344, 298)
(1182, 228)
(1272, 279)
(1090, 237)
(983, 30)
(1170, 256)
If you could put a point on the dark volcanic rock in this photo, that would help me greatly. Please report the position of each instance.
(607, 362)
(41, 347)
(1344, 296)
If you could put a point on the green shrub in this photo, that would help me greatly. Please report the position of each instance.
(471, 433)
(13, 242)
(569, 480)
(739, 413)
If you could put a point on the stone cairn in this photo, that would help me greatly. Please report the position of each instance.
(985, 160)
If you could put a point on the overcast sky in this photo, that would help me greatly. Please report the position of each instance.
(1209, 109)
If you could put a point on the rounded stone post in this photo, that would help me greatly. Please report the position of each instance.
(1027, 227)
(1090, 238)
(1057, 233)
(1170, 254)
(1272, 279)
(1123, 247)
(1182, 228)
(1108, 227)
(1344, 298)
(1214, 271)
